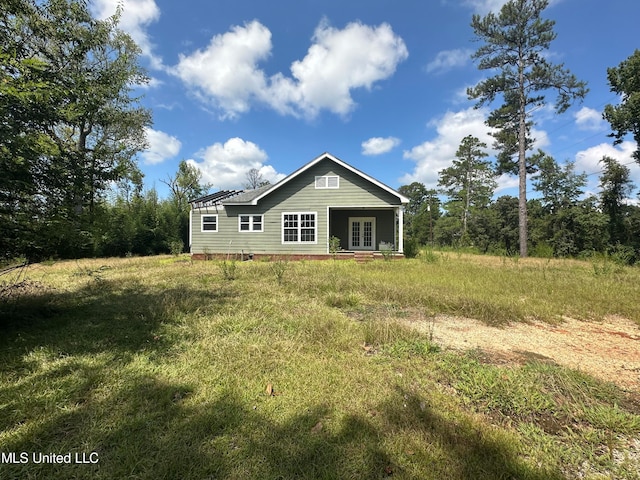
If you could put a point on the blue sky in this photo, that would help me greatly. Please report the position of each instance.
(241, 84)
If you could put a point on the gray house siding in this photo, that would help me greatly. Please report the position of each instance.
(356, 196)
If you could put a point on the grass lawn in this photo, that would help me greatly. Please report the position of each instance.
(163, 368)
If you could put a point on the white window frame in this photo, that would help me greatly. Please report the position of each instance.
(251, 223)
(299, 229)
(324, 182)
(202, 223)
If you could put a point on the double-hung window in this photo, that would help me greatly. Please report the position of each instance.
(209, 223)
(250, 223)
(299, 227)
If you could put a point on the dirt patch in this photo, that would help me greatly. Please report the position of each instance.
(609, 350)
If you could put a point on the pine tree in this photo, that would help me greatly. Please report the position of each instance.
(514, 46)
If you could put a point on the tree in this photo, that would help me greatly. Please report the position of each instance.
(255, 179)
(421, 213)
(417, 194)
(625, 117)
(469, 182)
(506, 232)
(25, 87)
(69, 80)
(616, 186)
(514, 48)
(559, 186)
(185, 185)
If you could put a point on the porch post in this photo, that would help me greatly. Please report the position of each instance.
(400, 229)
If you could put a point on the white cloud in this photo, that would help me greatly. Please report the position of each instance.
(432, 156)
(589, 119)
(136, 16)
(162, 146)
(449, 59)
(226, 165)
(226, 73)
(338, 62)
(379, 145)
(588, 161)
(485, 6)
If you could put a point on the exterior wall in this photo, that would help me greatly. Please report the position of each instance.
(298, 195)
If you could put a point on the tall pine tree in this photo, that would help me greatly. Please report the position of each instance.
(514, 49)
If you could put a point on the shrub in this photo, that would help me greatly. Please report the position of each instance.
(176, 247)
(334, 246)
(411, 249)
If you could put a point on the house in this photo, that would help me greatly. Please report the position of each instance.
(298, 215)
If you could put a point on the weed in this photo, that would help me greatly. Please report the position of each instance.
(279, 267)
(428, 256)
(343, 300)
(613, 421)
(386, 249)
(411, 348)
(334, 246)
(229, 268)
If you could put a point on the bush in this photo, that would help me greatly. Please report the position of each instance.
(176, 247)
(622, 254)
(411, 248)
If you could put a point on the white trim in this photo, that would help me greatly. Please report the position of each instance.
(251, 229)
(313, 162)
(328, 217)
(190, 229)
(326, 182)
(202, 230)
(361, 221)
(400, 242)
(299, 228)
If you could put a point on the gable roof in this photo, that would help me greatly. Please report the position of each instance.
(252, 197)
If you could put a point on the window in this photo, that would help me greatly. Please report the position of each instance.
(328, 181)
(250, 223)
(299, 227)
(210, 223)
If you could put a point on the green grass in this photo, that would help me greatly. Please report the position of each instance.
(160, 365)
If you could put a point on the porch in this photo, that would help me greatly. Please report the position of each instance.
(366, 229)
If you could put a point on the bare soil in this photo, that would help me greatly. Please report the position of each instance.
(609, 349)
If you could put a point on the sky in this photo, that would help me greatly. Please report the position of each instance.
(380, 84)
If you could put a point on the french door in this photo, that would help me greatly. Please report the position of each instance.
(362, 233)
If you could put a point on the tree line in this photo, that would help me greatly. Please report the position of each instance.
(71, 128)
(562, 222)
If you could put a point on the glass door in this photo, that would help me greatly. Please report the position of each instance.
(362, 233)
